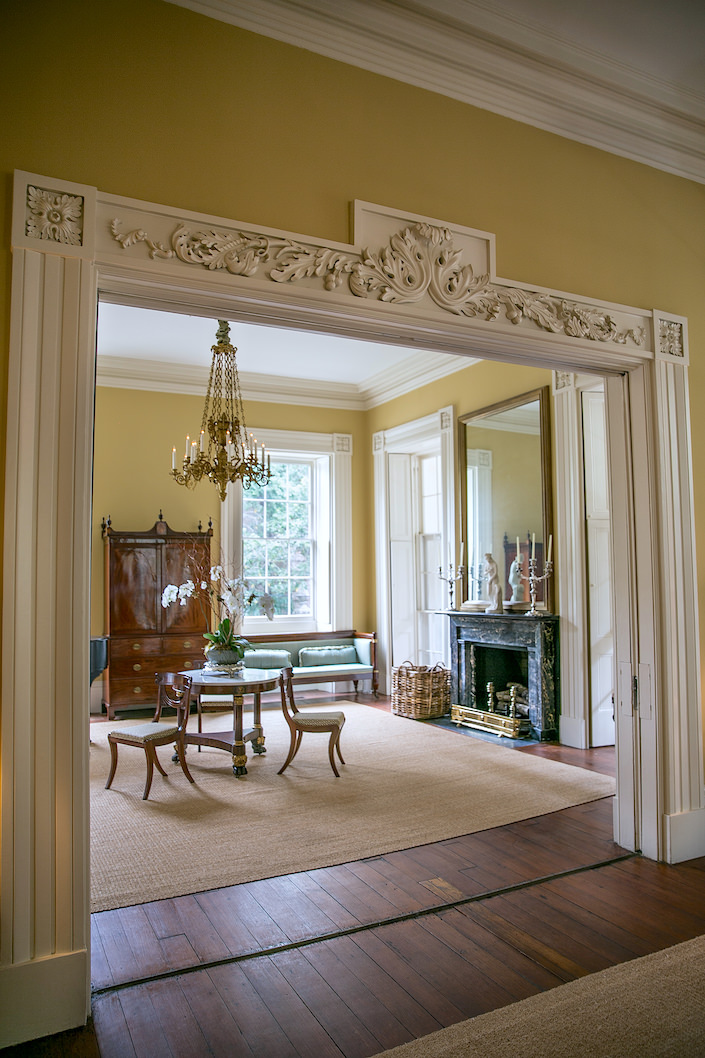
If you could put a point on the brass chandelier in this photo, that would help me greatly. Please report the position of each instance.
(224, 451)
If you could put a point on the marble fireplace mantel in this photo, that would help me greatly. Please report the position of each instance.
(529, 641)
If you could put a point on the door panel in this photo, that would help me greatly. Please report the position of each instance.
(401, 559)
(401, 555)
(599, 570)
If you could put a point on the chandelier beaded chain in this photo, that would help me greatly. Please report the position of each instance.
(224, 452)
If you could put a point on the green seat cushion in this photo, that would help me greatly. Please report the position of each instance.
(267, 659)
(327, 656)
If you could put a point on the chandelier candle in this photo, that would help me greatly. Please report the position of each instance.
(224, 453)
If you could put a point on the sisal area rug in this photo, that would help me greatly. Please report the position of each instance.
(404, 784)
(651, 1007)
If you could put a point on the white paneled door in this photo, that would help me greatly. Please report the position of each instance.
(401, 558)
(415, 554)
(429, 557)
(598, 530)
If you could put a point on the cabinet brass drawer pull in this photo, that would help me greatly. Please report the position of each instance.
(137, 667)
(136, 690)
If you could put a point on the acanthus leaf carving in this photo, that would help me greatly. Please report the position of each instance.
(54, 217)
(536, 307)
(239, 254)
(671, 338)
(295, 262)
(595, 325)
(419, 261)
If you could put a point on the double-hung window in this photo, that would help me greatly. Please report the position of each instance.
(279, 548)
(292, 537)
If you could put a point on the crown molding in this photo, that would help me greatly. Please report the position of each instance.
(124, 372)
(496, 63)
(412, 374)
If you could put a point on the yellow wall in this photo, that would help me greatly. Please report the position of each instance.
(145, 99)
(134, 434)
(135, 431)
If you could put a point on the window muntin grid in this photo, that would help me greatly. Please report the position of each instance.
(277, 538)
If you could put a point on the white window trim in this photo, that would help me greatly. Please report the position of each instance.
(336, 611)
(478, 462)
(437, 428)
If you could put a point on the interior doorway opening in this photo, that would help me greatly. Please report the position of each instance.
(49, 425)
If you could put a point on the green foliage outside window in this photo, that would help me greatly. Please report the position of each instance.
(277, 523)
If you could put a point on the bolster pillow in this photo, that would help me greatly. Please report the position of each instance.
(327, 656)
(267, 659)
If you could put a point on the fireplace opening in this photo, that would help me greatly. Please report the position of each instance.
(501, 667)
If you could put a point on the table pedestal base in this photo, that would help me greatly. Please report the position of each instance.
(249, 682)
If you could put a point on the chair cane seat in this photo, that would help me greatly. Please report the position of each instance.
(140, 733)
(319, 719)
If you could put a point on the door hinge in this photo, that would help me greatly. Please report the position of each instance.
(646, 693)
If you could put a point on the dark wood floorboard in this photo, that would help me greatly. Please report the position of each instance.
(188, 931)
(354, 959)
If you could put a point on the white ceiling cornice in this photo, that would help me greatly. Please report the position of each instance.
(126, 372)
(497, 63)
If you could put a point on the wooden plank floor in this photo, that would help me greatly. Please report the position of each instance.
(353, 959)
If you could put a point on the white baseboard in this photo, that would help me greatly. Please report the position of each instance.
(43, 996)
(572, 732)
(97, 688)
(685, 835)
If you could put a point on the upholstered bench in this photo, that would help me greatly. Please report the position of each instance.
(318, 657)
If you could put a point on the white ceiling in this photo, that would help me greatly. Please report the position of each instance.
(147, 349)
(627, 76)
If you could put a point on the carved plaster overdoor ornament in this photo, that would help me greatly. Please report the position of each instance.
(563, 380)
(671, 338)
(419, 262)
(53, 216)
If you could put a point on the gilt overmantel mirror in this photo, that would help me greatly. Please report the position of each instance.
(506, 496)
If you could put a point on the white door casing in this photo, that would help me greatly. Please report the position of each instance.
(154, 254)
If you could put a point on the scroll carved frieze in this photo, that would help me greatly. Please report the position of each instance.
(419, 262)
(295, 262)
(236, 252)
(54, 217)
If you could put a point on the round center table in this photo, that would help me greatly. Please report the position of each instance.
(249, 681)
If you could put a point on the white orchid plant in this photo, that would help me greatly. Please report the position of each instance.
(226, 598)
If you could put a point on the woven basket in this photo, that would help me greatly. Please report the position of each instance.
(419, 692)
